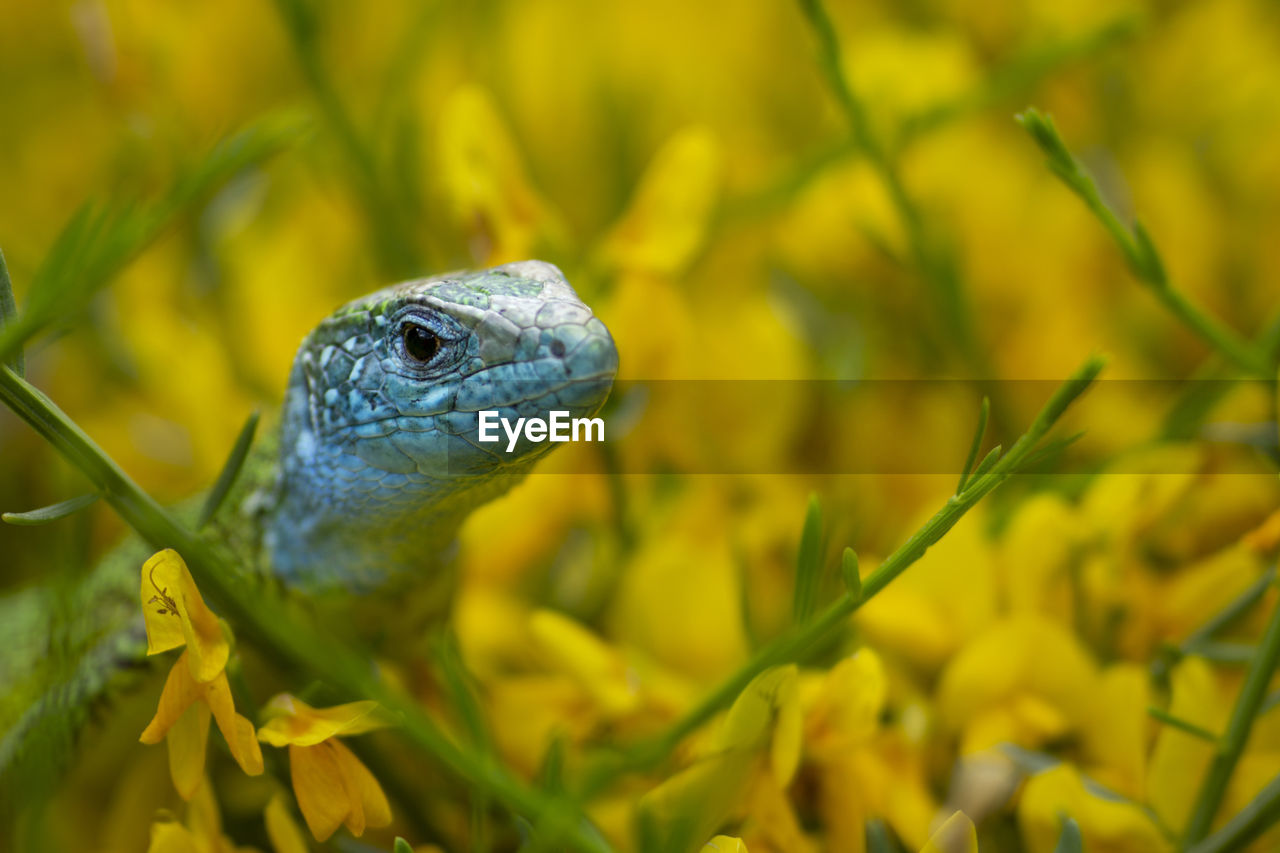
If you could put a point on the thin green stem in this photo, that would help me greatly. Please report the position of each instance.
(936, 265)
(1257, 817)
(1140, 252)
(793, 645)
(1252, 695)
(253, 609)
(1181, 724)
(390, 232)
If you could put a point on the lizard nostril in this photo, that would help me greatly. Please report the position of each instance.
(557, 348)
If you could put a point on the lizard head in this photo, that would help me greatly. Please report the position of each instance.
(380, 457)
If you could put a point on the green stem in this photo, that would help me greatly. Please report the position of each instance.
(936, 266)
(793, 645)
(1139, 251)
(390, 232)
(1181, 724)
(1257, 817)
(253, 608)
(1232, 744)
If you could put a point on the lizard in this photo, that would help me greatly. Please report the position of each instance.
(353, 505)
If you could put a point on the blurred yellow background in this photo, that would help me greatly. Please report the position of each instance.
(689, 169)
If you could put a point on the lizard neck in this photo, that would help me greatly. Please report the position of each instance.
(338, 523)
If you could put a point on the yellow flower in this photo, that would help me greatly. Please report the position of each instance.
(1107, 824)
(201, 833)
(861, 767)
(485, 181)
(281, 828)
(667, 220)
(331, 784)
(758, 744)
(1179, 759)
(1025, 680)
(197, 687)
(176, 615)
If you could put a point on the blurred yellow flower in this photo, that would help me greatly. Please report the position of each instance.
(1026, 680)
(846, 710)
(202, 832)
(1180, 759)
(485, 181)
(1108, 825)
(592, 663)
(667, 221)
(332, 786)
(283, 831)
(1117, 736)
(758, 743)
(724, 844)
(863, 768)
(197, 687)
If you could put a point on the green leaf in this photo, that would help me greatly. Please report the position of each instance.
(1140, 253)
(44, 515)
(1070, 840)
(1152, 268)
(230, 470)
(808, 563)
(1181, 724)
(401, 846)
(551, 774)
(458, 687)
(1046, 136)
(983, 415)
(849, 571)
(1052, 448)
(878, 838)
(102, 238)
(8, 316)
(988, 462)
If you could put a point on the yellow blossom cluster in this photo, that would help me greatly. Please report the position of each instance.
(331, 785)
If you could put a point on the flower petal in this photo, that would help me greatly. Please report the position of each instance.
(167, 586)
(169, 836)
(374, 808)
(237, 730)
(317, 783)
(957, 835)
(297, 723)
(178, 694)
(187, 740)
(159, 603)
(281, 828)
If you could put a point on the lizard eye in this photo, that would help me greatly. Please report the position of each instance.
(420, 343)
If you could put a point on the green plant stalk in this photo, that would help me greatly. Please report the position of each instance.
(1257, 817)
(1139, 252)
(937, 267)
(1195, 403)
(100, 240)
(397, 250)
(1181, 724)
(793, 645)
(1220, 621)
(1252, 695)
(250, 607)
